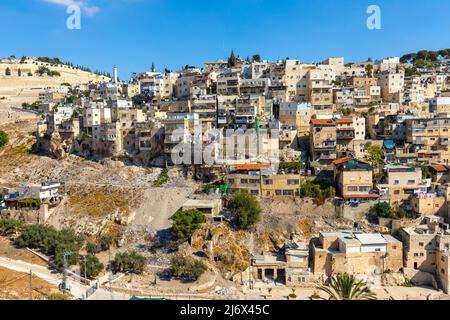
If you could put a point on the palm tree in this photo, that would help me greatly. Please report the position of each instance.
(346, 287)
(369, 70)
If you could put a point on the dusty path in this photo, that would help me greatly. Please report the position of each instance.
(159, 204)
(55, 278)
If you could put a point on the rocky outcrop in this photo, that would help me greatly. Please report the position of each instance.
(59, 147)
(225, 247)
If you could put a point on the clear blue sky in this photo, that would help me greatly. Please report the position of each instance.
(173, 33)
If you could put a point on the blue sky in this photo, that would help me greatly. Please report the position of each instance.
(173, 33)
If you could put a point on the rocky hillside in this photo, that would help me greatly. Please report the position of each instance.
(20, 82)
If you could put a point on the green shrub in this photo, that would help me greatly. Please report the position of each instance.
(317, 189)
(4, 138)
(10, 226)
(295, 167)
(245, 208)
(90, 266)
(29, 203)
(186, 222)
(52, 242)
(128, 262)
(403, 213)
(162, 179)
(187, 268)
(383, 210)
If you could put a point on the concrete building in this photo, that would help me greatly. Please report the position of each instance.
(260, 180)
(289, 266)
(431, 138)
(211, 207)
(402, 183)
(355, 252)
(353, 179)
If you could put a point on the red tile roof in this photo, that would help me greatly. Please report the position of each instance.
(344, 120)
(440, 168)
(252, 166)
(322, 122)
(341, 160)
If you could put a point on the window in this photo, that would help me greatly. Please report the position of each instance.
(352, 188)
(411, 181)
(268, 182)
(278, 192)
(231, 181)
(421, 244)
(244, 181)
(293, 182)
(254, 192)
(253, 181)
(288, 192)
(396, 182)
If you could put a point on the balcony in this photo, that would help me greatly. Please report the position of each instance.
(345, 134)
(323, 146)
(329, 156)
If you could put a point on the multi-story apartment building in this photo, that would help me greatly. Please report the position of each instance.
(179, 128)
(440, 105)
(353, 179)
(323, 140)
(392, 85)
(402, 183)
(426, 248)
(431, 138)
(320, 91)
(228, 83)
(296, 115)
(260, 180)
(206, 107)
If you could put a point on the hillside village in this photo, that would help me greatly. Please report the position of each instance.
(335, 168)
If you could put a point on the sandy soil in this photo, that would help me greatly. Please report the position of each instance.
(9, 251)
(15, 286)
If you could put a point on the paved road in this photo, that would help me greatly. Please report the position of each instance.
(54, 277)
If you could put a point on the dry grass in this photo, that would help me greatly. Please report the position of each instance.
(8, 250)
(15, 286)
(98, 202)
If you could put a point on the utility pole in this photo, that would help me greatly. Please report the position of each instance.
(110, 275)
(84, 260)
(31, 285)
(65, 254)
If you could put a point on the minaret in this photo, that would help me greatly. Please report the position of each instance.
(115, 74)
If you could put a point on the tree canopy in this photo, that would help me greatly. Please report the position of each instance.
(346, 287)
(186, 222)
(128, 262)
(245, 208)
(90, 266)
(383, 210)
(375, 155)
(187, 267)
(232, 59)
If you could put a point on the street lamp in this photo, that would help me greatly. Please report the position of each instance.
(84, 260)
